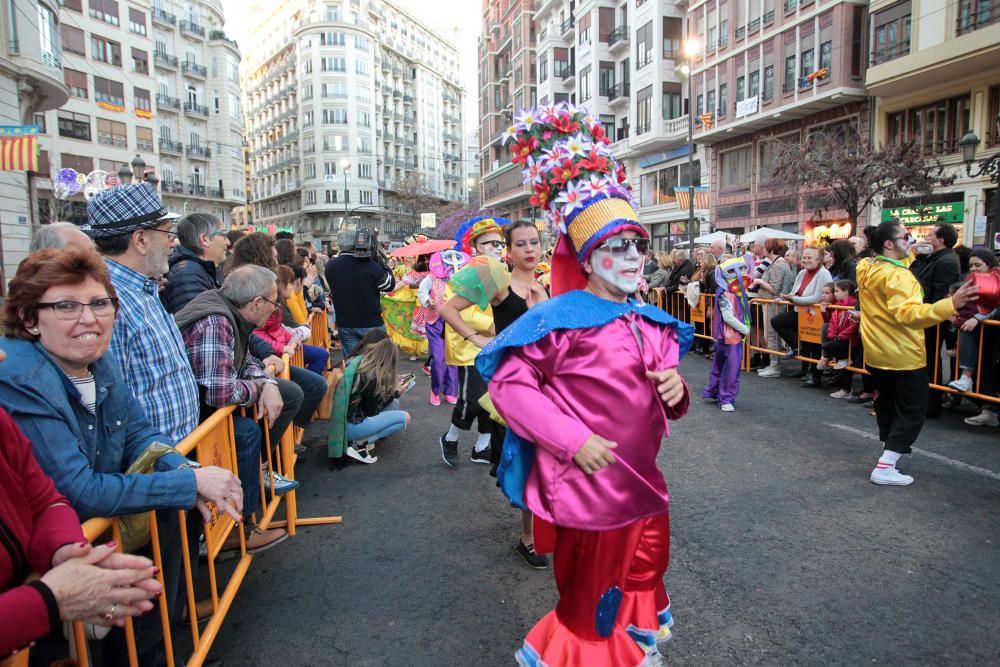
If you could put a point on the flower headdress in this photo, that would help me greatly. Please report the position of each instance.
(470, 230)
(566, 159)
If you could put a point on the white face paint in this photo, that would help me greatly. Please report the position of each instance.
(623, 272)
(486, 245)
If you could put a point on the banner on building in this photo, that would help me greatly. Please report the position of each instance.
(952, 212)
(18, 153)
(700, 197)
(428, 220)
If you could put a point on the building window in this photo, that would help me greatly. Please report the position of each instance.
(75, 5)
(740, 88)
(364, 119)
(768, 82)
(543, 68)
(39, 120)
(643, 110)
(673, 102)
(734, 167)
(334, 90)
(366, 196)
(790, 78)
(644, 45)
(606, 78)
(826, 56)
(808, 62)
(333, 64)
(142, 100)
(105, 51)
(754, 88)
(73, 39)
(73, 125)
(361, 42)
(361, 67)
(723, 99)
(335, 116)
(108, 91)
(976, 14)
(310, 196)
(104, 10)
(140, 61)
(76, 82)
(111, 133)
(144, 139)
(673, 30)
(308, 119)
(332, 39)
(585, 83)
(78, 163)
(584, 29)
(136, 21)
(306, 93)
(365, 171)
(934, 128)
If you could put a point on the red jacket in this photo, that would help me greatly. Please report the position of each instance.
(35, 521)
(841, 326)
(275, 333)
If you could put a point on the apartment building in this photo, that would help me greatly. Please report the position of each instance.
(353, 115)
(125, 109)
(774, 69)
(932, 71)
(31, 83)
(507, 79)
(199, 113)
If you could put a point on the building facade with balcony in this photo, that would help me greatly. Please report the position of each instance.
(932, 70)
(353, 114)
(199, 117)
(774, 70)
(508, 76)
(31, 83)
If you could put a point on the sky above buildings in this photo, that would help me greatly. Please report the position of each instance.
(458, 22)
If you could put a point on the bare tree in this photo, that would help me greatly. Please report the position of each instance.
(852, 174)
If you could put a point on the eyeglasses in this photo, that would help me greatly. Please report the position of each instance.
(496, 244)
(277, 306)
(214, 234)
(171, 234)
(73, 310)
(618, 245)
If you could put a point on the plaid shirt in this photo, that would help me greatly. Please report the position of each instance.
(211, 346)
(150, 351)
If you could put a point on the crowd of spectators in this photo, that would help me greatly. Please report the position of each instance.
(120, 338)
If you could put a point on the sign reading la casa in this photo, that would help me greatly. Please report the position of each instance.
(953, 212)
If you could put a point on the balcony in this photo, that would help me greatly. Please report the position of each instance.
(889, 52)
(566, 73)
(221, 36)
(619, 94)
(168, 146)
(165, 102)
(976, 15)
(216, 193)
(164, 59)
(194, 69)
(175, 187)
(192, 28)
(199, 152)
(566, 26)
(196, 189)
(164, 18)
(196, 109)
(618, 38)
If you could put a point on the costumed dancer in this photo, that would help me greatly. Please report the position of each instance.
(431, 295)
(731, 322)
(509, 303)
(483, 238)
(586, 382)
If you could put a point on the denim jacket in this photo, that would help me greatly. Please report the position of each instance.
(84, 454)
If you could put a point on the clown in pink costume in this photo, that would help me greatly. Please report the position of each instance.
(587, 382)
(730, 324)
(430, 295)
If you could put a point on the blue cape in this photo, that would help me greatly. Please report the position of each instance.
(573, 310)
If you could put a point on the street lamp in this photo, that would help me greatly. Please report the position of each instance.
(988, 167)
(692, 47)
(345, 166)
(152, 181)
(470, 182)
(138, 168)
(124, 174)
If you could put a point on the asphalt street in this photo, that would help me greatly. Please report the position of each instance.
(782, 551)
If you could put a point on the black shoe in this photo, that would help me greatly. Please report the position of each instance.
(530, 557)
(449, 451)
(480, 456)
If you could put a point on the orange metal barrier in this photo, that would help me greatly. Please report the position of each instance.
(212, 443)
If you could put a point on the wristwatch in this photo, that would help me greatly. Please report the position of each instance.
(269, 381)
(189, 465)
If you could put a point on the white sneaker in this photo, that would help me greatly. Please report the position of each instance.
(727, 407)
(840, 394)
(890, 477)
(842, 364)
(984, 418)
(770, 372)
(963, 383)
(361, 455)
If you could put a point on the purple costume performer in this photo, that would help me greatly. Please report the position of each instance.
(729, 326)
(444, 378)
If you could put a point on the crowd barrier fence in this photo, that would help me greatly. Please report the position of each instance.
(810, 326)
(212, 443)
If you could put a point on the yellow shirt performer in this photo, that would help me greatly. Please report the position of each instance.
(893, 317)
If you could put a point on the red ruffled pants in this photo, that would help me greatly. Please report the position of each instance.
(613, 607)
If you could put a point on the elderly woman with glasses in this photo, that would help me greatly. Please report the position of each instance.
(66, 393)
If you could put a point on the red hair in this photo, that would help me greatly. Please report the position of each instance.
(42, 270)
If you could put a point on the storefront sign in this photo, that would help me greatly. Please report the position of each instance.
(746, 107)
(953, 212)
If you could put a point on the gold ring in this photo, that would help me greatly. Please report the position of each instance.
(111, 614)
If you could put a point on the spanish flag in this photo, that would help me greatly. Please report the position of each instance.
(19, 153)
(821, 73)
(706, 119)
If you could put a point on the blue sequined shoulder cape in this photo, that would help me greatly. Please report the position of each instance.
(574, 310)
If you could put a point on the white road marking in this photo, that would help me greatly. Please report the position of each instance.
(917, 450)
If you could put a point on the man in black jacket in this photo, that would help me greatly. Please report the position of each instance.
(937, 269)
(357, 281)
(194, 264)
(683, 268)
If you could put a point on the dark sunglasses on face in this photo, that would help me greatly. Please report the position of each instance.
(619, 246)
(496, 244)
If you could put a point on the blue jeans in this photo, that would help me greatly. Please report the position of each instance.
(313, 388)
(390, 421)
(249, 439)
(349, 337)
(315, 358)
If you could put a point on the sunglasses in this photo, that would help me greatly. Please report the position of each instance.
(619, 246)
(495, 244)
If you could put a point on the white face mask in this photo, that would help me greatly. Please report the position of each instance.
(611, 267)
(492, 251)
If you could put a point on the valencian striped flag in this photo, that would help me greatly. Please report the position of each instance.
(700, 197)
(19, 153)
(707, 119)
